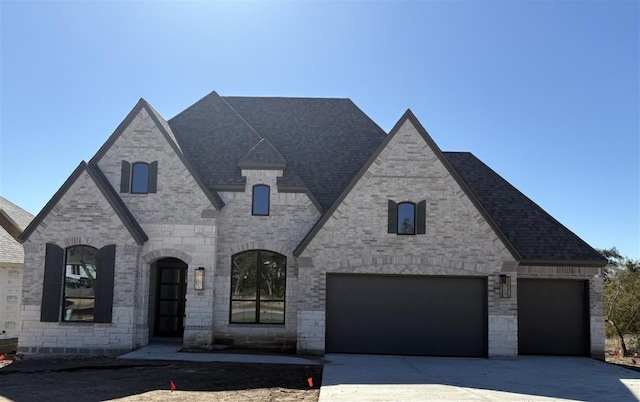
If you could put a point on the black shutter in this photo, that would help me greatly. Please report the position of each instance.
(392, 217)
(125, 176)
(421, 218)
(52, 283)
(105, 266)
(152, 182)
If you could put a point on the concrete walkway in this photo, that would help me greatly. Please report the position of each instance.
(401, 378)
(170, 351)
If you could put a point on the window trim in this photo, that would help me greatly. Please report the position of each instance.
(258, 298)
(253, 200)
(419, 218)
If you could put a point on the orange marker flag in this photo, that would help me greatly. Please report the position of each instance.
(1, 357)
(310, 381)
(172, 386)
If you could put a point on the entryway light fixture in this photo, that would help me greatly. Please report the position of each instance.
(505, 287)
(198, 280)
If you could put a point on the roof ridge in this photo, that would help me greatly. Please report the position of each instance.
(241, 118)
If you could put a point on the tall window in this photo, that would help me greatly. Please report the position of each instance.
(260, 200)
(406, 218)
(79, 284)
(258, 284)
(139, 178)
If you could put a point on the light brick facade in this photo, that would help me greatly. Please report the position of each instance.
(181, 222)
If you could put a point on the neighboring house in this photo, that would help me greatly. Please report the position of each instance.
(13, 220)
(297, 223)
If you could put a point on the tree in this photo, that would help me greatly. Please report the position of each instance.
(621, 295)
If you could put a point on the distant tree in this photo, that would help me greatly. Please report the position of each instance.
(621, 295)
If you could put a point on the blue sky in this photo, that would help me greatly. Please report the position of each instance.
(544, 92)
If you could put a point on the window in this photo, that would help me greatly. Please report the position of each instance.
(260, 205)
(407, 218)
(79, 283)
(258, 284)
(139, 178)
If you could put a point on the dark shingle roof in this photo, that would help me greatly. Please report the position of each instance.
(324, 141)
(262, 156)
(532, 232)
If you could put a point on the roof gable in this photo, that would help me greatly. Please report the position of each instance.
(107, 192)
(168, 135)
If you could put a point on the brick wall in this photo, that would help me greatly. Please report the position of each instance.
(458, 241)
(291, 216)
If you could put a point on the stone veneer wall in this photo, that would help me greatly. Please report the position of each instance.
(291, 216)
(82, 216)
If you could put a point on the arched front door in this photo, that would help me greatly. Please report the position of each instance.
(170, 290)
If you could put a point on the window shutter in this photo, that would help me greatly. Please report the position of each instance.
(392, 218)
(421, 217)
(105, 264)
(152, 182)
(52, 283)
(125, 176)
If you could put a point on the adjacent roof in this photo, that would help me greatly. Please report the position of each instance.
(262, 156)
(324, 141)
(107, 191)
(13, 220)
(534, 234)
(530, 234)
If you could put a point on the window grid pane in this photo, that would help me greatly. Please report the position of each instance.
(252, 271)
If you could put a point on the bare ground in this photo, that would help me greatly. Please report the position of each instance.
(97, 379)
(631, 361)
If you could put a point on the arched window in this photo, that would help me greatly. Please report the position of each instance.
(260, 205)
(406, 218)
(139, 177)
(79, 283)
(258, 286)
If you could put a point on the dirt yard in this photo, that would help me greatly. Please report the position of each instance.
(631, 362)
(96, 379)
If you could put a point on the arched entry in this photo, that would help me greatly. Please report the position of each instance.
(169, 282)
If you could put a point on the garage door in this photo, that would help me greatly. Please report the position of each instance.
(553, 317)
(406, 315)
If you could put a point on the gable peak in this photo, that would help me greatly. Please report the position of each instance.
(263, 155)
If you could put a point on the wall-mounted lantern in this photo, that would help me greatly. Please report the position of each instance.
(198, 280)
(505, 287)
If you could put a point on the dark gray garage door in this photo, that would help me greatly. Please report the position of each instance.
(553, 317)
(406, 315)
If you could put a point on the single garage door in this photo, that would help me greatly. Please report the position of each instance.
(553, 317)
(406, 315)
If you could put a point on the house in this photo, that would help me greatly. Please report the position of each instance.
(13, 220)
(298, 224)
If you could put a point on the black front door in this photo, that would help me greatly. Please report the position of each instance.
(171, 286)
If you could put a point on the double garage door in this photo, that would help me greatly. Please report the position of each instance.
(447, 316)
(406, 315)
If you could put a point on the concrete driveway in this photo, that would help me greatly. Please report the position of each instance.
(531, 378)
